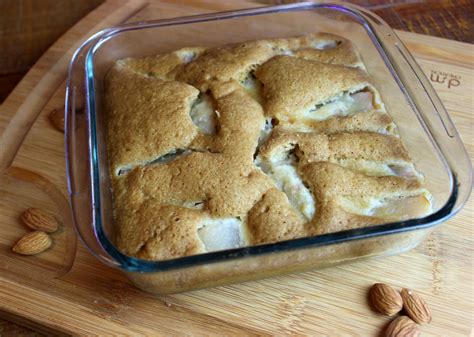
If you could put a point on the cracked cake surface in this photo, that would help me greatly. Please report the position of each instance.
(252, 143)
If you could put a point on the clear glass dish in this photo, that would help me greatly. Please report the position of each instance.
(425, 127)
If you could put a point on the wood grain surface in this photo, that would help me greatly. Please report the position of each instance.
(29, 27)
(448, 19)
(94, 300)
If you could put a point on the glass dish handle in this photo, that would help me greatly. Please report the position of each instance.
(77, 155)
(426, 103)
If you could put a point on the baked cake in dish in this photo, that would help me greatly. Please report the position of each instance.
(252, 143)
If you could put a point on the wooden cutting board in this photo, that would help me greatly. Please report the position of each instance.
(43, 292)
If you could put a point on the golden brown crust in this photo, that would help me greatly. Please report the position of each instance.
(321, 47)
(273, 219)
(161, 66)
(240, 119)
(292, 85)
(160, 231)
(170, 175)
(343, 53)
(372, 121)
(228, 190)
(314, 147)
(223, 64)
(329, 181)
(334, 218)
(160, 121)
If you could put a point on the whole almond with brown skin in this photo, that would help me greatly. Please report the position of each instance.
(38, 220)
(402, 326)
(56, 117)
(385, 299)
(32, 243)
(415, 306)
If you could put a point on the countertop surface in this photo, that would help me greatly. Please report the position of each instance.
(448, 19)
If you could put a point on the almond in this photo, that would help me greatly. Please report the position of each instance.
(32, 243)
(385, 299)
(37, 220)
(415, 306)
(402, 326)
(56, 117)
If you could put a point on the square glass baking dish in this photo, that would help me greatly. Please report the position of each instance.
(425, 127)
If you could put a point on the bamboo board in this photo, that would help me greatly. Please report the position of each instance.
(93, 299)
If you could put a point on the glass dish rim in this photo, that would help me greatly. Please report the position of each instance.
(133, 264)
